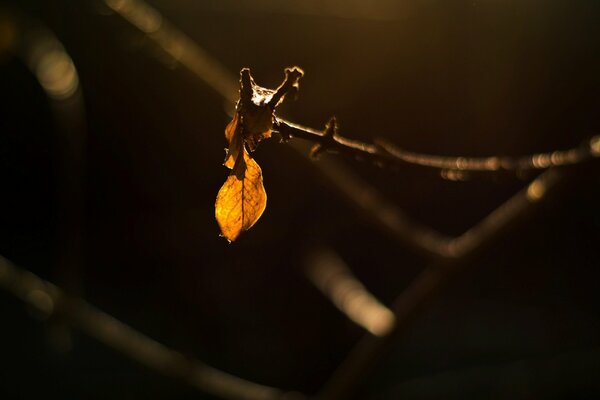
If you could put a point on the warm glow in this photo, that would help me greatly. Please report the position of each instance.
(56, 73)
(52, 66)
(541, 161)
(595, 146)
(41, 301)
(140, 14)
(330, 274)
(536, 190)
(453, 175)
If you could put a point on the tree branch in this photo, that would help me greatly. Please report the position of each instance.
(383, 152)
(330, 274)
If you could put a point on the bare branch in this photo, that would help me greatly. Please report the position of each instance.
(538, 161)
(334, 143)
(383, 152)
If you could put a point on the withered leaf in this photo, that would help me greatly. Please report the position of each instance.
(257, 104)
(242, 198)
(236, 142)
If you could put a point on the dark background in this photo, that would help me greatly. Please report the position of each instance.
(459, 78)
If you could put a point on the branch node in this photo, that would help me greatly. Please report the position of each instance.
(331, 132)
(284, 134)
(256, 106)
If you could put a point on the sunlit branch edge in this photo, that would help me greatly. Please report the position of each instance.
(383, 152)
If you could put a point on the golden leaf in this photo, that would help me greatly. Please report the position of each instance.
(236, 142)
(242, 198)
(258, 121)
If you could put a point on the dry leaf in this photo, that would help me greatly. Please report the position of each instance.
(242, 198)
(236, 142)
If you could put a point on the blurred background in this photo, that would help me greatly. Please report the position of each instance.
(110, 161)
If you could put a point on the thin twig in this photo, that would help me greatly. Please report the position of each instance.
(386, 153)
(51, 302)
(334, 143)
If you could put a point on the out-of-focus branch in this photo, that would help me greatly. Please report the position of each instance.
(378, 210)
(455, 252)
(177, 45)
(333, 278)
(430, 282)
(38, 49)
(51, 302)
(503, 216)
(420, 237)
